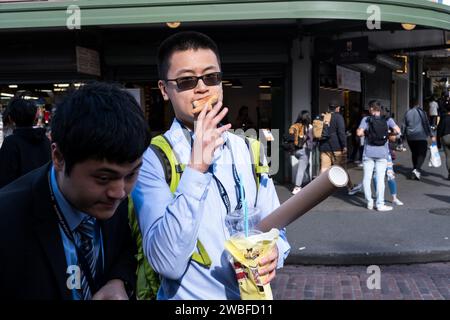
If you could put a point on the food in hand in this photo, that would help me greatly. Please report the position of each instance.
(206, 101)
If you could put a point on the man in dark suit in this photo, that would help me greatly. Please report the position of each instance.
(64, 230)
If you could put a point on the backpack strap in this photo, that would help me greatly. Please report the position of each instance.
(173, 169)
(257, 157)
(172, 166)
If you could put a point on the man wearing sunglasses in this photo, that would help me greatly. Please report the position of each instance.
(172, 225)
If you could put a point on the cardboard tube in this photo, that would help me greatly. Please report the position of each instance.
(315, 192)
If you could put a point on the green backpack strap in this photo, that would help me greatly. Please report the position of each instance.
(257, 156)
(176, 169)
(148, 282)
(147, 279)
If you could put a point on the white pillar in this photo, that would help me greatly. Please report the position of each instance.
(301, 83)
(301, 76)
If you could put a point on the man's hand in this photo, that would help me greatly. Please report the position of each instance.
(207, 137)
(112, 290)
(268, 265)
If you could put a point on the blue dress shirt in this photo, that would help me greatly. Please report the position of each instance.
(73, 218)
(171, 223)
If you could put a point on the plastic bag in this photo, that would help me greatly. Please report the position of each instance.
(435, 157)
(246, 253)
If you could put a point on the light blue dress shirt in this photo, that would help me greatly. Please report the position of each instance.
(171, 223)
(73, 218)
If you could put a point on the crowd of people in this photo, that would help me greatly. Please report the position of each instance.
(378, 139)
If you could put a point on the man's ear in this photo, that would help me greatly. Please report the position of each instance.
(57, 158)
(162, 88)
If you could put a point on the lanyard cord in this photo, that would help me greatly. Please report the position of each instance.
(222, 190)
(64, 225)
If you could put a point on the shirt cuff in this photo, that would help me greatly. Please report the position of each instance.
(194, 183)
(283, 251)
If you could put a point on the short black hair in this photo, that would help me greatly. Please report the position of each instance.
(22, 111)
(375, 105)
(99, 121)
(183, 41)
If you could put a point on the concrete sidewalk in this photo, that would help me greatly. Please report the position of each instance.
(341, 230)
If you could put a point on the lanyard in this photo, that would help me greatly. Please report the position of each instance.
(64, 225)
(222, 191)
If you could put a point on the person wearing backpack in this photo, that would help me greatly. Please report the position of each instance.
(333, 143)
(183, 224)
(416, 128)
(375, 129)
(303, 141)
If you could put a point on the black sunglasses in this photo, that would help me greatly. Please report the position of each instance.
(187, 83)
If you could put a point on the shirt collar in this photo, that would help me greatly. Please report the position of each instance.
(72, 216)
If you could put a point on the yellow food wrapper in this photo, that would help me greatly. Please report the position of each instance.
(246, 253)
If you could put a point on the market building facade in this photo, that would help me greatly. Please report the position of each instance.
(279, 57)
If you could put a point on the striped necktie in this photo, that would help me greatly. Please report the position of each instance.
(91, 252)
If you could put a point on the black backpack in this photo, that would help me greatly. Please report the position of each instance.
(378, 131)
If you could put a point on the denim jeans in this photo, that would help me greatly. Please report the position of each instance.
(303, 161)
(380, 171)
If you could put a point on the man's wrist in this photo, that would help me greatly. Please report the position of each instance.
(198, 167)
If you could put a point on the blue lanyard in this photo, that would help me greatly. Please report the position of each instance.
(222, 190)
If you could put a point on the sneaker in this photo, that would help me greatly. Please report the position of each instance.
(355, 189)
(415, 175)
(384, 208)
(370, 206)
(296, 190)
(397, 202)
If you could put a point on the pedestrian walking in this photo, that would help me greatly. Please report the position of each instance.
(303, 142)
(333, 145)
(416, 128)
(375, 128)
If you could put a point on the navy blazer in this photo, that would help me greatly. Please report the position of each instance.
(32, 259)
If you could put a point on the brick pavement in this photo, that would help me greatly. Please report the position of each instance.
(429, 281)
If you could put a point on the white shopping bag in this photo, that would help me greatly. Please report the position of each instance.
(435, 158)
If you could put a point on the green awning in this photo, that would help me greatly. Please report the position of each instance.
(122, 12)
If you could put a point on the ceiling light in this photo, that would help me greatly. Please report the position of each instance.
(173, 25)
(265, 84)
(13, 86)
(408, 26)
(237, 84)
